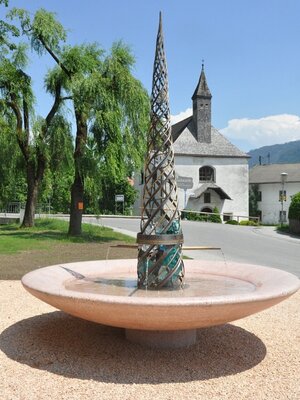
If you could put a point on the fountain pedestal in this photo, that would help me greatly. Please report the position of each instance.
(162, 339)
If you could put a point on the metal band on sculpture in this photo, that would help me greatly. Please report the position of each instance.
(160, 240)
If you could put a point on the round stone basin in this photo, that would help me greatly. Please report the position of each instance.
(214, 293)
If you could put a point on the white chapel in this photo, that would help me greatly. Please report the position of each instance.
(216, 171)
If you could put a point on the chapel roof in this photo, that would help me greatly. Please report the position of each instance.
(185, 142)
(210, 185)
(202, 89)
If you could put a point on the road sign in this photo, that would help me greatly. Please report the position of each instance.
(184, 182)
(119, 198)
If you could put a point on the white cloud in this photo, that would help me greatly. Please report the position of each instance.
(182, 115)
(254, 133)
(274, 129)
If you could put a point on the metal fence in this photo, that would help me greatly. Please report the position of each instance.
(225, 217)
(15, 207)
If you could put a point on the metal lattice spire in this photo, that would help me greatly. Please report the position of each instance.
(160, 240)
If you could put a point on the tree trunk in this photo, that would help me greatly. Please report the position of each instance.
(76, 205)
(77, 190)
(32, 195)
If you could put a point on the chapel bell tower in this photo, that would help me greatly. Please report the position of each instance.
(202, 109)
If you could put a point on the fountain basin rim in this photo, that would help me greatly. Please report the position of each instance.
(265, 289)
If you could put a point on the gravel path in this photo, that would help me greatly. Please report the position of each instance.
(46, 354)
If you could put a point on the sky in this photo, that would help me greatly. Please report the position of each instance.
(250, 48)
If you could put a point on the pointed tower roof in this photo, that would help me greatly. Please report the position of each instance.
(202, 89)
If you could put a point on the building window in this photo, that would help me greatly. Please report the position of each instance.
(207, 197)
(282, 195)
(206, 174)
(282, 216)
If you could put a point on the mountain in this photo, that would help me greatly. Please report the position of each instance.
(278, 153)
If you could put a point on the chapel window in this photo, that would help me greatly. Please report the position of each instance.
(206, 174)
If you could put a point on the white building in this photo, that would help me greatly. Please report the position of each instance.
(218, 169)
(269, 187)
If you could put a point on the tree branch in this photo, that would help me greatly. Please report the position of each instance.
(23, 146)
(26, 119)
(54, 56)
(66, 98)
(54, 108)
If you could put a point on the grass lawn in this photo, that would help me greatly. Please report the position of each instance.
(25, 249)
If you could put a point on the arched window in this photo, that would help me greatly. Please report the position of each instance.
(206, 174)
(206, 209)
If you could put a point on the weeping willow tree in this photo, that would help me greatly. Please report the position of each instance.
(111, 114)
(18, 102)
(105, 97)
(12, 177)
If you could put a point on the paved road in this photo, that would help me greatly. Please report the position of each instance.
(245, 244)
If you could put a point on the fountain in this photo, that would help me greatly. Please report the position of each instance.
(168, 300)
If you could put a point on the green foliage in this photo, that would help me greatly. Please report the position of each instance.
(283, 228)
(195, 216)
(46, 31)
(19, 56)
(248, 223)
(12, 176)
(232, 222)
(53, 78)
(106, 98)
(116, 106)
(118, 109)
(111, 188)
(253, 199)
(294, 209)
(43, 30)
(215, 217)
(33, 135)
(6, 31)
(58, 178)
(14, 82)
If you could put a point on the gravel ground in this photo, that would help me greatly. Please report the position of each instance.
(46, 354)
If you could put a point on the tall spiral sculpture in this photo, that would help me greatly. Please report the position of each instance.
(160, 240)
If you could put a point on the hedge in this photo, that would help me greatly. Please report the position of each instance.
(294, 210)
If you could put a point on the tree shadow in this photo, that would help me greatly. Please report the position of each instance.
(74, 348)
(288, 234)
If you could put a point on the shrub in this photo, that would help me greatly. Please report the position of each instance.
(248, 223)
(232, 222)
(294, 210)
(193, 216)
(215, 218)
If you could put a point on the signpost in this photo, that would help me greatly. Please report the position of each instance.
(185, 183)
(119, 198)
